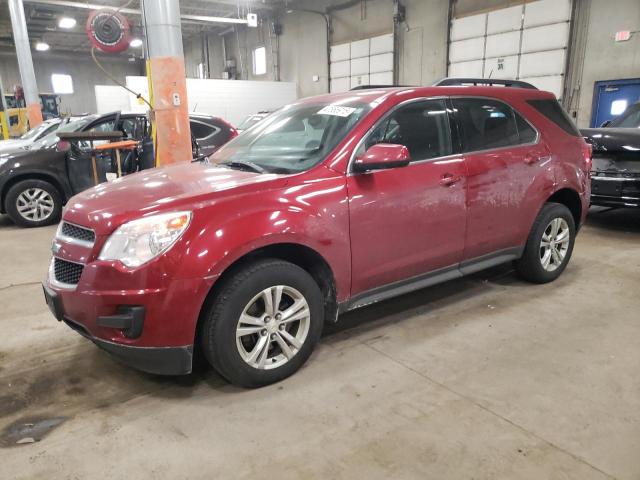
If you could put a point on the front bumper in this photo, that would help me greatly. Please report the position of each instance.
(609, 191)
(172, 360)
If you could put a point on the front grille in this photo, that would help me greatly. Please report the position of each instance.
(79, 233)
(67, 272)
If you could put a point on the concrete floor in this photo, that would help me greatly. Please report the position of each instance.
(486, 377)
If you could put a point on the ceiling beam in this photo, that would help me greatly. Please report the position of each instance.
(132, 11)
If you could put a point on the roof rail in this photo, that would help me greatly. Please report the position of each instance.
(368, 87)
(447, 82)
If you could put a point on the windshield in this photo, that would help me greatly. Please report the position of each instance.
(52, 138)
(35, 132)
(250, 121)
(293, 139)
(629, 119)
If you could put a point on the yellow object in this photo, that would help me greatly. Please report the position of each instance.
(152, 116)
(18, 122)
(4, 126)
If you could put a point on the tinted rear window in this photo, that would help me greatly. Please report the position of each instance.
(554, 112)
(200, 130)
(488, 124)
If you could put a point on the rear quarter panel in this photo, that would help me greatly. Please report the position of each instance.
(568, 164)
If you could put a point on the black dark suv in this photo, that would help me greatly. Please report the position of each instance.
(35, 182)
(615, 174)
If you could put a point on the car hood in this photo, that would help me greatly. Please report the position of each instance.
(14, 144)
(187, 186)
(21, 158)
(613, 139)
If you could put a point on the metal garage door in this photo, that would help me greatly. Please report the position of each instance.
(364, 62)
(526, 42)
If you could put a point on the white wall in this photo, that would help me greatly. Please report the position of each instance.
(84, 72)
(232, 100)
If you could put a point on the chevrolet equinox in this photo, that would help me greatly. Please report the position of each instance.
(329, 204)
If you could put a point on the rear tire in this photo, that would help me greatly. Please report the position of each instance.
(549, 246)
(263, 323)
(33, 203)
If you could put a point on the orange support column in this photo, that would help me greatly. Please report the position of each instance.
(171, 110)
(167, 80)
(34, 114)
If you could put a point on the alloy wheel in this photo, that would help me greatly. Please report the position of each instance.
(35, 204)
(273, 327)
(554, 244)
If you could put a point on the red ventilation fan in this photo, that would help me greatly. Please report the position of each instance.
(108, 30)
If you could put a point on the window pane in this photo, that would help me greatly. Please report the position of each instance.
(200, 130)
(61, 83)
(525, 131)
(422, 127)
(260, 61)
(554, 112)
(629, 119)
(485, 123)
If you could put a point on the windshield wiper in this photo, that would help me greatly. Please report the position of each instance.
(244, 165)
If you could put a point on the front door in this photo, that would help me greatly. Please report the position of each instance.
(411, 220)
(79, 164)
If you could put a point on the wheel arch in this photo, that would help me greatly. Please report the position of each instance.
(570, 199)
(301, 255)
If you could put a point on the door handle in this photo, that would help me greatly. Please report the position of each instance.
(530, 159)
(447, 179)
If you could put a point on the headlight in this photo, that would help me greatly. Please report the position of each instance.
(139, 241)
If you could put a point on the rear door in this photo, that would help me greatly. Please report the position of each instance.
(504, 158)
(408, 221)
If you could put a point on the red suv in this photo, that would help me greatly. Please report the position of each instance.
(330, 204)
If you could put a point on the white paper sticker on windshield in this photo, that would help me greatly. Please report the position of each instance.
(337, 111)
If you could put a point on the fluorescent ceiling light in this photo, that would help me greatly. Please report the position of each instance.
(42, 47)
(67, 22)
(136, 42)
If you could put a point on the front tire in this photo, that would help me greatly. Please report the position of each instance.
(549, 246)
(263, 323)
(33, 203)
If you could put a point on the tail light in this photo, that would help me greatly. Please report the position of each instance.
(587, 154)
(63, 146)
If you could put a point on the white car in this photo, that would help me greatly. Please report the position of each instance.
(32, 135)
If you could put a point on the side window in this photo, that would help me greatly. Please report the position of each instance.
(422, 127)
(554, 112)
(48, 130)
(485, 123)
(106, 126)
(129, 127)
(200, 130)
(525, 131)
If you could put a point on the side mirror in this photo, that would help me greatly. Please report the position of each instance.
(382, 156)
(605, 123)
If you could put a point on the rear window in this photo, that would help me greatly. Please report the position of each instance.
(554, 112)
(200, 130)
